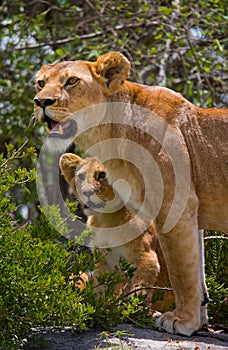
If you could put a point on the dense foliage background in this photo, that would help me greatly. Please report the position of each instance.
(179, 44)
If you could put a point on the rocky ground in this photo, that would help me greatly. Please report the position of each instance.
(132, 338)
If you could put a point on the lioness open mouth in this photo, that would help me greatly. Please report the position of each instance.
(63, 130)
(91, 205)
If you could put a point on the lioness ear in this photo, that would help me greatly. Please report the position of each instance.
(115, 68)
(68, 163)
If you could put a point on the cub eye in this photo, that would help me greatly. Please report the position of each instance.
(72, 81)
(41, 83)
(101, 175)
(81, 177)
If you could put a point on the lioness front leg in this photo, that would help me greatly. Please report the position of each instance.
(182, 255)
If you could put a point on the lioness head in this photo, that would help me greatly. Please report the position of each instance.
(66, 87)
(88, 179)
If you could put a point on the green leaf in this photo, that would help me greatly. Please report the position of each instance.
(166, 10)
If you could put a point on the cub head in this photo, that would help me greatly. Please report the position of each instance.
(88, 179)
(66, 87)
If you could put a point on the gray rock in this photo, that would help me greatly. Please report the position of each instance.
(132, 338)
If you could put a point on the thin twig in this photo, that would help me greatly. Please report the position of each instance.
(148, 288)
(81, 37)
(215, 237)
(14, 155)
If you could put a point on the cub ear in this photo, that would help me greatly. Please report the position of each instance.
(68, 163)
(115, 68)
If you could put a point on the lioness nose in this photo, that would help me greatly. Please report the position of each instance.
(87, 193)
(44, 102)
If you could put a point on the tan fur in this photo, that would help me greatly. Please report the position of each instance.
(82, 279)
(142, 252)
(201, 135)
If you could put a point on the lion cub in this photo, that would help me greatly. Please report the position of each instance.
(113, 224)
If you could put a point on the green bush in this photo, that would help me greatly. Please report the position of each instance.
(34, 286)
(216, 258)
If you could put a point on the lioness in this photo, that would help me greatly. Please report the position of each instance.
(171, 152)
(88, 179)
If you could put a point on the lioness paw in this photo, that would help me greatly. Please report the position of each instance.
(171, 323)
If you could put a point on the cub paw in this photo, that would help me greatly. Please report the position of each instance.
(171, 323)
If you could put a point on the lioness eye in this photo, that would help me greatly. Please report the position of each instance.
(101, 175)
(41, 83)
(81, 176)
(72, 81)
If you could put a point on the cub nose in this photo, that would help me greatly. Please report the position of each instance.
(88, 193)
(44, 102)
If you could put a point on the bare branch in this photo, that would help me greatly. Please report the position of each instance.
(84, 36)
(216, 237)
(148, 288)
